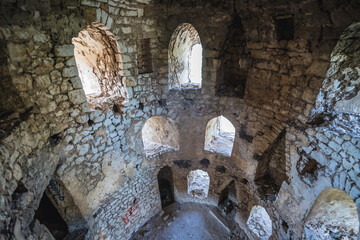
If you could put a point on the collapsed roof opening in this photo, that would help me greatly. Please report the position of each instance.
(185, 58)
(100, 67)
(219, 136)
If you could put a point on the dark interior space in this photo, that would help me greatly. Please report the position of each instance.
(166, 186)
(48, 215)
(285, 28)
(227, 199)
(235, 62)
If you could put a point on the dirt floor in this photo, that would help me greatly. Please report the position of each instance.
(190, 221)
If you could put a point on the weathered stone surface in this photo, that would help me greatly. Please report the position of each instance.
(260, 223)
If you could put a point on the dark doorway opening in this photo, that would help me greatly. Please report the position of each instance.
(228, 200)
(166, 186)
(48, 215)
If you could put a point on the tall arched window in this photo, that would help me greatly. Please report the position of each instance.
(198, 183)
(185, 58)
(99, 63)
(219, 136)
(160, 135)
(333, 216)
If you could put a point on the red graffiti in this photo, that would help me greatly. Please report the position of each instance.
(131, 212)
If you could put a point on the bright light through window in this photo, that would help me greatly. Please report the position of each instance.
(195, 63)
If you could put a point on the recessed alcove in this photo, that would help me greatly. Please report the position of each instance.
(160, 135)
(219, 136)
(333, 216)
(198, 183)
(100, 67)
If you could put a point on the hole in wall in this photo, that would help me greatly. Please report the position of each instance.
(285, 27)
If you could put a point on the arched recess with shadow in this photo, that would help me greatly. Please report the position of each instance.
(333, 216)
(100, 66)
(58, 212)
(185, 58)
(219, 136)
(166, 186)
(160, 135)
(235, 62)
(228, 199)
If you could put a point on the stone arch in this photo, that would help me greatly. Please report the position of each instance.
(59, 213)
(160, 135)
(198, 182)
(219, 136)
(100, 66)
(333, 216)
(185, 58)
(338, 101)
(259, 223)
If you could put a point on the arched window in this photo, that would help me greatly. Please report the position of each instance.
(185, 58)
(99, 63)
(219, 136)
(160, 135)
(333, 216)
(259, 222)
(198, 183)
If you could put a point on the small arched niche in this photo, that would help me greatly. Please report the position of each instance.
(333, 216)
(198, 183)
(259, 223)
(99, 62)
(219, 136)
(160, 135)
(185, 58)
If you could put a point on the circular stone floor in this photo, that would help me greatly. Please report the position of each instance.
(190, 221)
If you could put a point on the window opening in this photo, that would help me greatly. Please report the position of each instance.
(100, 67)
(185, 58)
(219, 136)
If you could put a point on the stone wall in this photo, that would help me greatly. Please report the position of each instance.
(98, 155)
